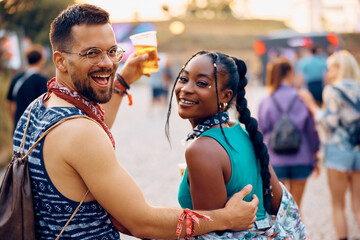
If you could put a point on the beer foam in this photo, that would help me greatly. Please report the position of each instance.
(144, 39)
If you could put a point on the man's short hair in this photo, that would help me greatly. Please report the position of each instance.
(60, 30)
(34, 54)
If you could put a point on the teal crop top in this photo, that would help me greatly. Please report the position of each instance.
(245, 168)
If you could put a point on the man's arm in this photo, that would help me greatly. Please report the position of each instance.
(131, 72)
(113, 187)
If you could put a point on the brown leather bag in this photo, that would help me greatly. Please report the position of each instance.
(16, 202)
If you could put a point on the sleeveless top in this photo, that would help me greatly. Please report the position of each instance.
(52, 209)
(245, 168)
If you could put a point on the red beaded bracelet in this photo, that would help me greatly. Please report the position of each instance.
(121, 87)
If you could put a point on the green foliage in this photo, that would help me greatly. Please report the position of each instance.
(6, 124)
(31, 17)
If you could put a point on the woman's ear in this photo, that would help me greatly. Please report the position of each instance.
(59, 61)
(226, 95)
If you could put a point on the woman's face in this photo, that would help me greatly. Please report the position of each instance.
(195, 90)
(332, 73)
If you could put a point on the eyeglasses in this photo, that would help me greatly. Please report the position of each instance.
(95, 55)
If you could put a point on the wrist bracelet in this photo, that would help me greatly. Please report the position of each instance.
(122, 81)
(121, 87)
(190, 218)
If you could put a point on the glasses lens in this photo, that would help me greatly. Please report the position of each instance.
(94, 56)
(116, 54)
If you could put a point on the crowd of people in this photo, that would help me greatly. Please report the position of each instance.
(254, 192)
(327, 115)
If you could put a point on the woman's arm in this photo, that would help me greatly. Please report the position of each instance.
(264, 116)
(276, 191)
(328, 116)
(209, 170)
(113, 187)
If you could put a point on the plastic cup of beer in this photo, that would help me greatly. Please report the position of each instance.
(146, 42)
(182, 167)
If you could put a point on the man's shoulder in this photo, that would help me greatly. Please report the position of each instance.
(17, 76)
(81, 128)
(38, 77)
(79, 140)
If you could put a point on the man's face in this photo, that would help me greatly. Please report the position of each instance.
(94, 82)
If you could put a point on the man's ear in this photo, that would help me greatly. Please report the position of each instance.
(226, 95)
(59, 61)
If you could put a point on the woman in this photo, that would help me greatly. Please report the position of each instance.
(292, 168)
(342, 156)
(223, 156)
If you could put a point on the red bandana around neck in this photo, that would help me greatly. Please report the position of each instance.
(90, 108)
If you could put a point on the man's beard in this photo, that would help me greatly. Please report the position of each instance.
(87, 91)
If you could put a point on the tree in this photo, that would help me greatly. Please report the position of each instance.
(31, 17)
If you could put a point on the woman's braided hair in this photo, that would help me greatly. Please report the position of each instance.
(234, 70)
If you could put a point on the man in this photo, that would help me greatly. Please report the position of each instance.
(27, 86)
(79, 155)
(312, 69)
(159, 83)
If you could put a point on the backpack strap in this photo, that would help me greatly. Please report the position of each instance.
(346, 97)
(47, 131)
(22, 145)
(73, 215)
(40, 138)
(279, 107)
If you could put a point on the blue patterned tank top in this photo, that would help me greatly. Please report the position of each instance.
(52, 209)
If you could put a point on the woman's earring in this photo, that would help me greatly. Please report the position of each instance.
(223, 105)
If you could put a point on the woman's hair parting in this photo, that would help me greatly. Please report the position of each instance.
(234, 70)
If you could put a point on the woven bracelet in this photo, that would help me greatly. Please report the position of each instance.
(190, 218)
(121, 87)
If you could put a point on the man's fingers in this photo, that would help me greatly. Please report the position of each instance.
(245, 191)
(142, 57)
(255, 199)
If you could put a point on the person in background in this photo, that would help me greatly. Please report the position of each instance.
(311, 72)
(223, 156)
(77, 159)
(342, 155)
(159, 83)
(292, 169)
(28, 85)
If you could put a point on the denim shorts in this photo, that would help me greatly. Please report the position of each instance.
(297, 172)
(341, 159)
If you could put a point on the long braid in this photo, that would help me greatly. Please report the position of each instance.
(234, 70)
(256, 136)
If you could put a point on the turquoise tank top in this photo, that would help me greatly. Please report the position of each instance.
(245, 168)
